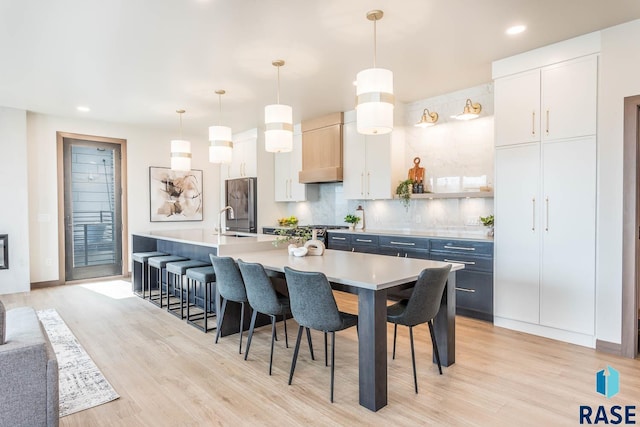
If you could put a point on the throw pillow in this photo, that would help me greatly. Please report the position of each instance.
(2, 323)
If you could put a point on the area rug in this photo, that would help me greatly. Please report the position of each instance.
(82, 385)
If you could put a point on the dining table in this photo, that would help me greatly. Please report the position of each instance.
(372, 278)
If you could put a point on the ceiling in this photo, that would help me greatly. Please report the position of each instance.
(137, 61)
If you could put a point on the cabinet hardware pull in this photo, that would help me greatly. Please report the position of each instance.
(460, 262)
(546, 227)
(402, 243)
(290, 191)
(362, 183)
(364, 240)
(547, 123)
(472, 291)
(368, 183)
(533, 215)
(459, 247)
(533, 123)
(338, 238)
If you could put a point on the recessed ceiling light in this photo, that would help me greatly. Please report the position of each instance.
(516, 29)
(83, 108)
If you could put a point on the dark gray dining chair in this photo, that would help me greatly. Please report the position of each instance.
(230, 286)
(421, 307)
(314, 307)
(264, 299)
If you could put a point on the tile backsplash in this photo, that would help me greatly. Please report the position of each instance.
(457, 157)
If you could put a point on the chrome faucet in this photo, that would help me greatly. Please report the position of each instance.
(231, 216)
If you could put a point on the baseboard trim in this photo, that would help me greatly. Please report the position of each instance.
(547, 332)
(47, 284)
(609, 347)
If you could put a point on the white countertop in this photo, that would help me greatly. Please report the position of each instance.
(226, 245)
(438, 234)
(369, 271)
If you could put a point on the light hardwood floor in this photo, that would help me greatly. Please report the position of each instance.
(168, 373)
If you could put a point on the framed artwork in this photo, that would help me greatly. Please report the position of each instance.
(175, 195)
(4, 251)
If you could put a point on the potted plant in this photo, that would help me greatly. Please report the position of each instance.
(352, 220)
(295, 236)
(487, 221)
(404, 191)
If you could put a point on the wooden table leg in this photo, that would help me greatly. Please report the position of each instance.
(372, 348)
(444, 324)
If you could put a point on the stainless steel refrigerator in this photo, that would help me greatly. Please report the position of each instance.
(241, 196)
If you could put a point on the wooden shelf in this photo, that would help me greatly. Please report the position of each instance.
(462, 195)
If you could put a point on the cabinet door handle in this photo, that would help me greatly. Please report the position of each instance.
(368, 183)
(533, 214)
(547, 129)
(364, 240)
(362, 183)
(459, 247)
(290, 195)
(402, 243)
(338, 238)
(546, 228)
(460, 262)
(471, 291)
(533, 123)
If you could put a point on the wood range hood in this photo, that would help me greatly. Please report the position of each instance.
(322, 149)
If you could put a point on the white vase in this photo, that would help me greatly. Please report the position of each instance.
(351, 227)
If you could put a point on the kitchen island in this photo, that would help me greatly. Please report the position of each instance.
(369, 276)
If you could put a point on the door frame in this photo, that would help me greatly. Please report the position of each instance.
(123, 198)
(630, 227)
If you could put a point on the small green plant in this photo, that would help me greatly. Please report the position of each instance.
(295, 235)
(487, 221)
(352, 219)
(404, 192)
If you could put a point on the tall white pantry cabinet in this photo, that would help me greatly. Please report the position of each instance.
(545, 190)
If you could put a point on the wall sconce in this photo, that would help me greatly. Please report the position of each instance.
(471, 111)
(428, 119)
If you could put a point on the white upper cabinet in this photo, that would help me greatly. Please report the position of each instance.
(287, 165)
(549, 103)
(244, 161)
(373, 164)
(517, 108)
(569, 98)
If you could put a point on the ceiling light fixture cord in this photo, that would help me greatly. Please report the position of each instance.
(180, 114)
(220, 106)
(374, 43)
(278, 93)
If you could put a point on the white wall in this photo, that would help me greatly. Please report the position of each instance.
(619, 65)
(146, 147)
(13, 219)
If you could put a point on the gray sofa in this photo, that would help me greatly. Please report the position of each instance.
(28, 373)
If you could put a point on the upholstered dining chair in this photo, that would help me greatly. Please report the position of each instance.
(230, 286)
(421, 307)
(264, 299)
(314, 307)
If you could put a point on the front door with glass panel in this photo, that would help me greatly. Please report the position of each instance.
(92, 209)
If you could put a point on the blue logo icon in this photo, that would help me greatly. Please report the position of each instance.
(608, 384)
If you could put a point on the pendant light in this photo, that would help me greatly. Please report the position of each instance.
(278, 120)
(180, 151)
(220, 142)
(374, 93)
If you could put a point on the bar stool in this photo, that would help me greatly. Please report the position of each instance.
(160, 262)
(175, 272)
(142, 258)
(207, 277)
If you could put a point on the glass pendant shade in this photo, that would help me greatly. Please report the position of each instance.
(180, 155)
(220, 144)
(374, 92)
(278, 135)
